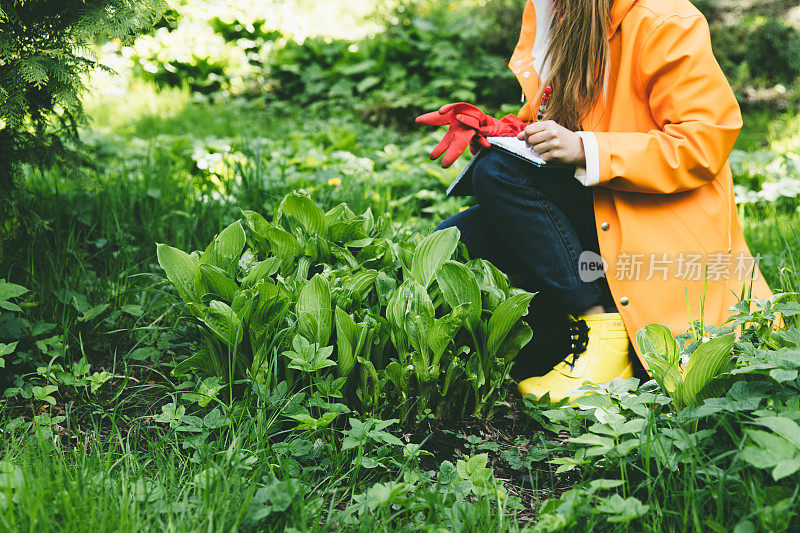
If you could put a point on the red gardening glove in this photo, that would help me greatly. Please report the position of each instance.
(458, 136)
(469, 126)
(508, 126)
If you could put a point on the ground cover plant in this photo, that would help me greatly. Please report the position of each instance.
(231, 312)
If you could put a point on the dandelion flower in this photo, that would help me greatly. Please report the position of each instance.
(335, 181)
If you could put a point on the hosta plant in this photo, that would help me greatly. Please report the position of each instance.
(338, 305)
(699, 379)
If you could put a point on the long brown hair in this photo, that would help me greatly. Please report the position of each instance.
(579, 58)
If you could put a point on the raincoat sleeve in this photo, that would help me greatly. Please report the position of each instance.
(693, 105)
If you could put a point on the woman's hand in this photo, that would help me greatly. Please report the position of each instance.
(554, 143)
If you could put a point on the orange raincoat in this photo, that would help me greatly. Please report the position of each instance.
(664, 207)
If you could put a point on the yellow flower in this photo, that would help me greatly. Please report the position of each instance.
(335, 181)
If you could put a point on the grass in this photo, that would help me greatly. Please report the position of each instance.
(165, 168)
(765, 130)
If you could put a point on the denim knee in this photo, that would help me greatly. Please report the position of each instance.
(446, 223)
(496, 176)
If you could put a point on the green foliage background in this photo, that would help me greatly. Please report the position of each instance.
(45, 54)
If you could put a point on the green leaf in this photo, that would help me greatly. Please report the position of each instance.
(668, 378)
(459, 286)
(503, 320)
(657, 339)
(9, 306)
(785, 427)
(145, 352)
(443, 332)
(361, 281)
(43, 394)
(454, 371)
(422, 368)
(475, 469)
(341, 213)
(257, 224)
(786, 468)
(516, 339)
(182, 270)
(309, 357)
(93, 313)
(307, 422)
(493, 283)
(622, 510)
(204, 360)
(706, 363)
(368, 389)
(419, 316)
(171, 414)
(346, 338)
(474, 371)
(398, 375)
(604, 484)
(8, 349)
(314, 310)
(219, 282)
(598, 445)
(431, 252)
(347, 231)
(133, 310)
(224, 323)
(97, 379)
(395, 314)
(33, 72)
(260, 271)
(226, 249)
(283, 244)
(300, 208)
(10, 290)
(781, 375)
(268, 315)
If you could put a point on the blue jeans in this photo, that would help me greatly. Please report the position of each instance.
(534, 223)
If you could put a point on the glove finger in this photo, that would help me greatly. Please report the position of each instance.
(477, 143)
(474, 146)
(469, 121)
(483, 141)
(448, 108)
(455, 150)
(443, 145)
(431, 119)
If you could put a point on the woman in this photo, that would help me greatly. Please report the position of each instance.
(636, 137)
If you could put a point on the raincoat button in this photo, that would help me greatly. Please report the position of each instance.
(624, 300)
(605, 226)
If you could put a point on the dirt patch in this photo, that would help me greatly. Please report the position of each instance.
(518, 450)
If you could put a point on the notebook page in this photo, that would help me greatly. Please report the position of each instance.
(515, 146)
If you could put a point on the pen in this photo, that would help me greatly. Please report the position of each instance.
(548, 91)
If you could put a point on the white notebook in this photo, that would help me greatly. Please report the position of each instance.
(518, 148)
(511, 145)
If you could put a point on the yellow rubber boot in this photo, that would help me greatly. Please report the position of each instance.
(605, 358)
